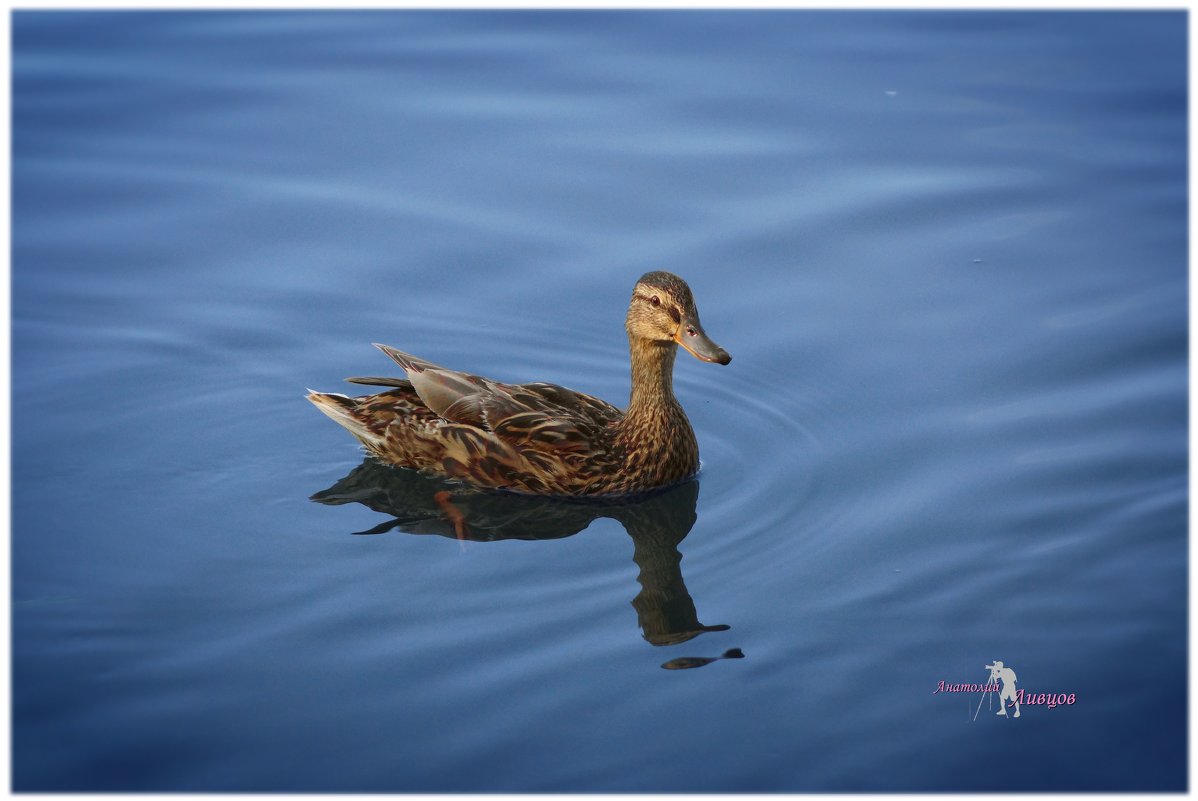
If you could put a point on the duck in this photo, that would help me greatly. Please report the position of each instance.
(541, 438)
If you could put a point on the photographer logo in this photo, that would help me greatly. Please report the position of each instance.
(1001, 682)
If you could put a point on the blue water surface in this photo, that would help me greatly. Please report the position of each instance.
(946, 250)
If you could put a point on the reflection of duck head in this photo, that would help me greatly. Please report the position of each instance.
(657, 523)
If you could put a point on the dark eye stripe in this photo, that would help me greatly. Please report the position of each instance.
(675, 315)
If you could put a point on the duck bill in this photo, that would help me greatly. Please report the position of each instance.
(692, 337)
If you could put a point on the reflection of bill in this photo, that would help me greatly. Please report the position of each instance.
(687, 662)
(1007, 676)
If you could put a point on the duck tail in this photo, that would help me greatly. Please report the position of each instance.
(343, 410)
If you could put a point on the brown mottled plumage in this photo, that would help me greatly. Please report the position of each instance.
(541, 438)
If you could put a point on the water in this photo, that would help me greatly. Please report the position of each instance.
(947, 252)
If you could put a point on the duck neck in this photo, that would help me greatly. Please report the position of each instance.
(652, 378)
(655, 438)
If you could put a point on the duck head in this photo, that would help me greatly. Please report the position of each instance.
(663, 310)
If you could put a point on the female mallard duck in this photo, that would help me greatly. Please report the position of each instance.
(541, 438)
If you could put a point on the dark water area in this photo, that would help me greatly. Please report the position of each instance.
(946, 250)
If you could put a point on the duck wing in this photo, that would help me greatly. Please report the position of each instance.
(379, 381)
(452, 395)
(539, 415)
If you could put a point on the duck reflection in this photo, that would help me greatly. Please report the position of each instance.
(657, 523)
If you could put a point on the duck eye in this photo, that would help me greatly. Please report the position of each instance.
(656, 301)
(690, 329)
